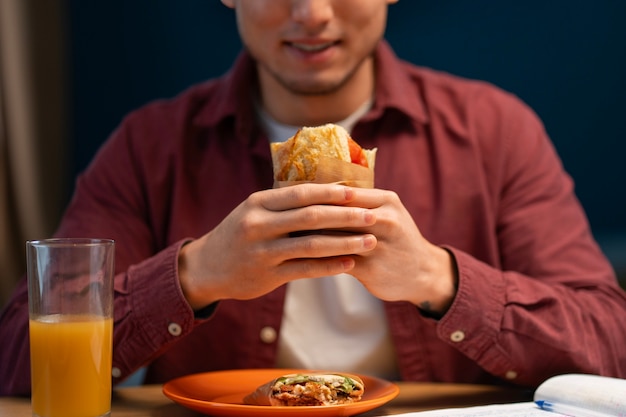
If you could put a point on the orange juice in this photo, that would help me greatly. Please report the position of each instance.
(71, 365)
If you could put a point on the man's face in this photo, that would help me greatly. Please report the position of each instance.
(310, 47)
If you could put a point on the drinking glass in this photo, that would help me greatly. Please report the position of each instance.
(70, 299)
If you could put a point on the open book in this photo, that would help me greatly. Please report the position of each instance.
(576, 395)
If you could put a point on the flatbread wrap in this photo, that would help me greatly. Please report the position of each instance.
(322, 154)
(311, 389)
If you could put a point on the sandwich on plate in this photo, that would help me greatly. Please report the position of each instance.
(311, 389)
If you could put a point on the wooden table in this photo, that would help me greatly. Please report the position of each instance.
(149, 401)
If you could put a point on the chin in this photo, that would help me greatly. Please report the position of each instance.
(314, 87)
(317, 90)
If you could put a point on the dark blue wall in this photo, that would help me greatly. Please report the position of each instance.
(565, 58)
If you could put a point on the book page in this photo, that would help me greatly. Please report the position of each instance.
(591, 395)
(596, 393)
(527, 409)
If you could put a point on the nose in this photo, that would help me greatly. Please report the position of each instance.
(312, 13)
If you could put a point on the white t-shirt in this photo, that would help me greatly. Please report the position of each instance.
(333, 322)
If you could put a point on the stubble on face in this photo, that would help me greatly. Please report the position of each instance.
(317, 69)
(313, 85)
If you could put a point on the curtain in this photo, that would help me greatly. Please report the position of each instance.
(33, 128)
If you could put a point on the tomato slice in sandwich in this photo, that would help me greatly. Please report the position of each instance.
(357, 156)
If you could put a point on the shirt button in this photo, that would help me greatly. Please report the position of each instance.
(115, 372)
(510, 375)
(457, 336)
(268, 334)
(174, 329)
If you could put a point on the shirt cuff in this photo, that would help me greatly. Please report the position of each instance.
(472, 324)
(158, 303)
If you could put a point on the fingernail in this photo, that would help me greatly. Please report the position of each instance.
(369, 242)
(347, 264)
(369, 217)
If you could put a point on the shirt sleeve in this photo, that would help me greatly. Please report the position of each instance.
(552, 305)
(150, 310)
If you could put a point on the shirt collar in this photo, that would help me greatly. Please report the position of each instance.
(232, 96)
(392, 84)
(393, 81)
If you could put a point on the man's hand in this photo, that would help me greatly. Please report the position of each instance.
(259, 245)
(316, 230)
(403, 266)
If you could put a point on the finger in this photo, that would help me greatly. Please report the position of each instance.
(315, 268)
(303, 195)
(371, 198)
(321, 246)
(322, 217)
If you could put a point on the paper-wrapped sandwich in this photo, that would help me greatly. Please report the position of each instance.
(314, 389)
(323, 154)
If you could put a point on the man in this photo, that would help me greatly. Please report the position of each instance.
(471, 261)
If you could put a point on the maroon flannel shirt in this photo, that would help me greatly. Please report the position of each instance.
(472, 164)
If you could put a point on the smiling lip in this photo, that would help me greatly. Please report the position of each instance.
(312, 46)
(315, 52)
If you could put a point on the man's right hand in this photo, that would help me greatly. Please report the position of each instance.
(256, 248)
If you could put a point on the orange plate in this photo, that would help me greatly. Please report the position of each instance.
(221, 394)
